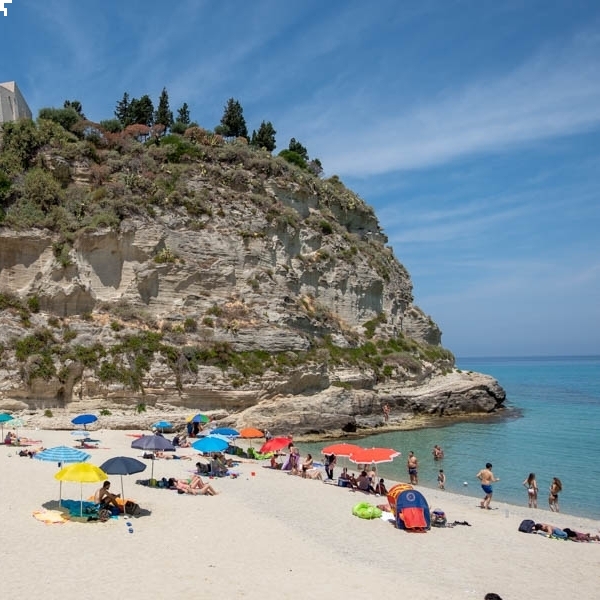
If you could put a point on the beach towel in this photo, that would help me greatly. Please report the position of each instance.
(50, 517)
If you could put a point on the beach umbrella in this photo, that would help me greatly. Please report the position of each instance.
(15, 423)
(275, 444)
(81, 473)
(228, 431)
(60, 455)
(373, 455)
(342, 449)
(4, 418)
(197, 418)
(210, 444)
(122, 465)
(162, 425)
(84, 420)
(153, 443)
(250, 433)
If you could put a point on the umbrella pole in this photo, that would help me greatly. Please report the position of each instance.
(81, 499)
(123, 497)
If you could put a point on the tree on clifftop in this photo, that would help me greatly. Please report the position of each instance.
(233, 123)
(265, 137)
(122, 110)
(183, 114)
(76, 106)
(163, 114)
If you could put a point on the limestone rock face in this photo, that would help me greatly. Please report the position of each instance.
(283, 309)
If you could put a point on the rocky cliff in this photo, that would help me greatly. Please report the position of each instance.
(223, 281)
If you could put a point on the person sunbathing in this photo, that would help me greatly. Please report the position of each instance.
(195, 486)
(578, 536)
(307, 464)
(550, 530)
(171, 456)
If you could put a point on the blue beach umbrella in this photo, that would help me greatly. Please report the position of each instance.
(60, 455)
(228, 431)
(162, 425)
(210, 444)
(84, 420)
(4, 418)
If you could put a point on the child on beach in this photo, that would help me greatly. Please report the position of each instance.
(441, 480)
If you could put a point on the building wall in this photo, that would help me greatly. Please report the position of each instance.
(12, 103)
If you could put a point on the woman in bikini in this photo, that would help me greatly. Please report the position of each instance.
(555, 488)
(532, 490)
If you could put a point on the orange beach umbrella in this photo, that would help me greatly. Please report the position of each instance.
(251, 432)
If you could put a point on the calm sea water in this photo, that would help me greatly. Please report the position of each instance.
(556, 433)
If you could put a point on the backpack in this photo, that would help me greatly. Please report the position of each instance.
(527, 526)
(438, 518)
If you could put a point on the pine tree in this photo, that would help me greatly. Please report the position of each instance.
(141, 111)
(122, 111)
(298, 148)
(183, 114)
(233, 123)
(265, 137)
(76, 106)
(163, 115)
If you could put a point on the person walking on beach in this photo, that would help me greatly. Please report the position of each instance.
(532, 490)
(412, 464)
(487, 478)
(330, 461)
(555, 488)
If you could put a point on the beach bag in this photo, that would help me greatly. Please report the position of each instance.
(104, 514)
(438, 518)
(526, 525)
(131, 508)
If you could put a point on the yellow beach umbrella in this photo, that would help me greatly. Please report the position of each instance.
(81, 473)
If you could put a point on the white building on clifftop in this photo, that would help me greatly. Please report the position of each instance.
(12, 103)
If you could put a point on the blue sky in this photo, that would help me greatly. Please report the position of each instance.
(472, 128)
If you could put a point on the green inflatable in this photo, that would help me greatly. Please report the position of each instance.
(364, 510)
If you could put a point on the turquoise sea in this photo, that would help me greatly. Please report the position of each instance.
(553, 432)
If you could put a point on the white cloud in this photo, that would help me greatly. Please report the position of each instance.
(555, 93)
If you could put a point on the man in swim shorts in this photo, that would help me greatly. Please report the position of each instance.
(487, 478)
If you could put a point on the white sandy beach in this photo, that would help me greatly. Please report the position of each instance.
(271, 536)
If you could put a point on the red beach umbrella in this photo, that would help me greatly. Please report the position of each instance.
(342, 449)
(373, 455)
(274, 444)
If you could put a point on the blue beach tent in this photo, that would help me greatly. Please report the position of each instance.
(412, 511)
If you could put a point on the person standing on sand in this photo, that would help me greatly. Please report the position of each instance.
(487, 478)
(412, 464)
(532, 490)
(555, 488)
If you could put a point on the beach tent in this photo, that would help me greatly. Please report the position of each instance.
(412, 512)
(394, 492)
